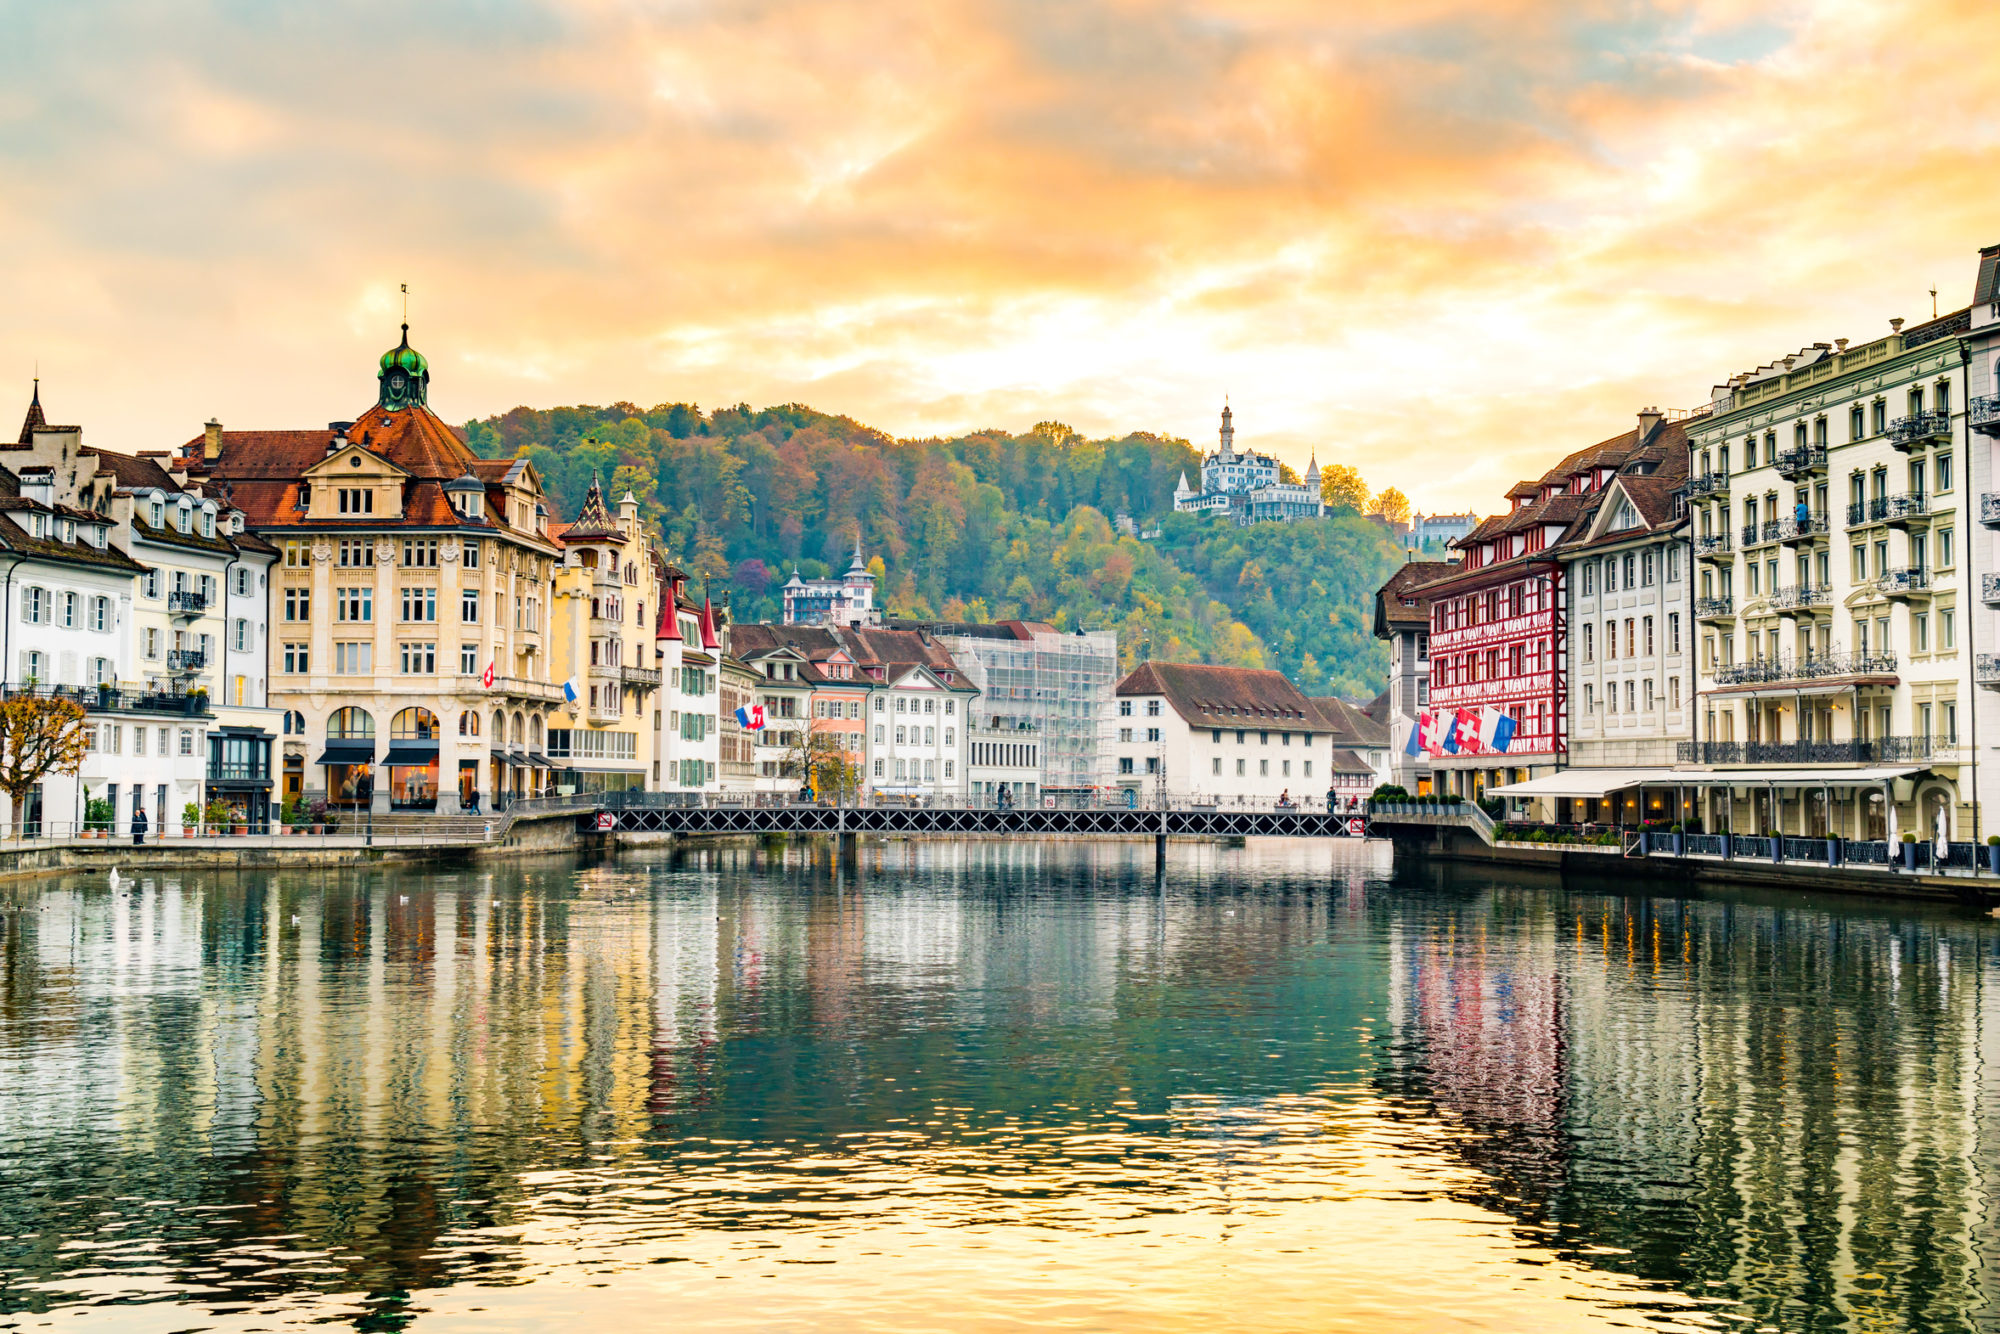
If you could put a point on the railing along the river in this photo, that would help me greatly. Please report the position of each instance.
(1905, 855)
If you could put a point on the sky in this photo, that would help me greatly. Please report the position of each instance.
(1444, 242)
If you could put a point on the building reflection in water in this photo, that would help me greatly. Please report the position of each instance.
(342, 1095)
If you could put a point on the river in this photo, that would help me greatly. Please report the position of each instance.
(991, 1087)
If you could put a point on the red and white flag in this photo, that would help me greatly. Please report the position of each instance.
(1465, 732)
(486, 677)
(1432, 728)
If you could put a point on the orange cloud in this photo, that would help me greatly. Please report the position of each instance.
(1443, 241)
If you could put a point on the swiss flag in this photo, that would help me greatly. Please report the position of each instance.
(1465, 732)
(1433, 729)
(486, 677)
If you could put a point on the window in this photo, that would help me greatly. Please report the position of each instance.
(1239, 768)
(354, 604)
(242, 583)
(1673, 632)
(472, 555)
(1152, 708)
(1124, 708)
(149, 584)
(1215, 766)
(297, 659)
(354, 659)
(298, 604)
(241, 630)
(1589, 578)
(468, 659)
(68, 604)
(187, 741)
(1920, 632)
(1944, 548)
(1646, 569)
(420, 604)
(1649, 639)
(1152, 734)
(1942, 469)
(100, 614)
(1947, 629)
(420, 553)
(151, 641)
(468, 606)
(356, 500)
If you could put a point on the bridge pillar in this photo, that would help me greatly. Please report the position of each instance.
(849, 847)
(1160, 851)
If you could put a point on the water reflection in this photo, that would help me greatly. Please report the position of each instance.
(988, 1084)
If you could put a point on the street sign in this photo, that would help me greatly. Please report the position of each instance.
(606, 822)
(1356, 827)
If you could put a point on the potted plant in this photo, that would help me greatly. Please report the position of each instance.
(98, 814)
(316, 814)
(198, 700)
(190, 817)
(104, 693)
(1680, 840)
(1909, 851)
(216, 812)
(1993, 853)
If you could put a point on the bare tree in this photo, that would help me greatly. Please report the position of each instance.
(39, 735)
(819, 755)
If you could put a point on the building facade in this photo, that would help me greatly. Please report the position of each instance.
(1832, 513)
(411, 603)
(602, 649)
(1229, 736)
(1631, 659)
(848, 601)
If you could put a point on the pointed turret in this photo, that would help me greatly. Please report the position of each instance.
(1228, 431)
(35, 417)
(708, 637)
(593, 520)
(1182, 488)
(1312, 471)
(858, 564)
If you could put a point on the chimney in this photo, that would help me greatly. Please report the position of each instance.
(338, 440)
(1649, 421)
(38, 485)
(211, 439)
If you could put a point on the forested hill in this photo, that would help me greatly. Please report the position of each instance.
(983, 526)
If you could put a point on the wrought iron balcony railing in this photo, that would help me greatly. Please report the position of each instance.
(1708, 484)
(1706, 609)
(186, 660)
(1986, 669)
(1801, 595)
(1919, 428)
(1896, 509)
(186, 602)
(1989, 510)
(1909, 579)
(1874, 750)
(1712, 546)
(1802, 461)
(1983, 414)
(1807, 529)
(1812, 667)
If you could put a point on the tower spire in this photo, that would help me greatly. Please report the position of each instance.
(35, 417)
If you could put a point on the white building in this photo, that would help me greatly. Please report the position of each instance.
(848, 601)
(785, 679)
(688, 731)
(1248, 486)
(1231, 735)
(1631, 633)
(1982, 435)
(917, 733)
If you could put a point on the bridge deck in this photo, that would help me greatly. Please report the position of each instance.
(1113, 822)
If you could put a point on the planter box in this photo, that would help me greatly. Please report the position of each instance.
(1993, 858)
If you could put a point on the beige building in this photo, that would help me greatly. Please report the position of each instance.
(410, 605)
(602, 649)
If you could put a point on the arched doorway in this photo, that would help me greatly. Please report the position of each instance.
(413, 760)
(350, 757)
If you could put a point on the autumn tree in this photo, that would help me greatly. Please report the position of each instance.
(819, 755)
(1392, 505)
(1342, 486)
(39, 735)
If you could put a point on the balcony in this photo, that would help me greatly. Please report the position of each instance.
(1801, 462)
(1715, 548)
(109, 698)
(1753, 535)
(1907, 582)
(1797, 532)
(186, 602)
(1986, 669)
(1708, 484)
(1877, 750)
(1899, 511)
(1787, 670)
(1919, 429)
(1989, 510)
(512, 687)
(185, 661)
(1801, 597)
(1714, 609)
(645, 678)
(1983, 414)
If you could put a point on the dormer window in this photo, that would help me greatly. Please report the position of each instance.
(157, 514)
(181, 517)
(35, 528)
(68, 530)
(208, 523)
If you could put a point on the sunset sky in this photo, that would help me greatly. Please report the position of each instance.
(1441, 240)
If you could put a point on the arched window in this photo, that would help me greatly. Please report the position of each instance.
(589, 558)
(535, 731)
(414, 724)
(499, 728)
(295, 723)
(520, 732)
(468, 723)
(351, 724)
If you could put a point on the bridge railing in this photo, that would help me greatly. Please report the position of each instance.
(636, 800)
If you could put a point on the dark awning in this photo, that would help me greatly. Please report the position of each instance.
(412, 752)
(348, 752)
(536, 761)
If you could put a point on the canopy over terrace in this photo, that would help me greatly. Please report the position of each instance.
(1853, 801)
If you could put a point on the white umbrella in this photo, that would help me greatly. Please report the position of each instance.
(1943, 843)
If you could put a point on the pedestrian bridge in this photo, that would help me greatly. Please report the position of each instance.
(679, 813)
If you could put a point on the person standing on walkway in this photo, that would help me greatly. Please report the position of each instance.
(138, 826)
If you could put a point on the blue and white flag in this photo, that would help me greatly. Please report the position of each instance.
(570, 691)
(1496, 731)
(751, 717)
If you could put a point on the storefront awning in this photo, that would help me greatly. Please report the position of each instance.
(411, 752)
(348, 752)
(1598, 783)
(534, 761)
